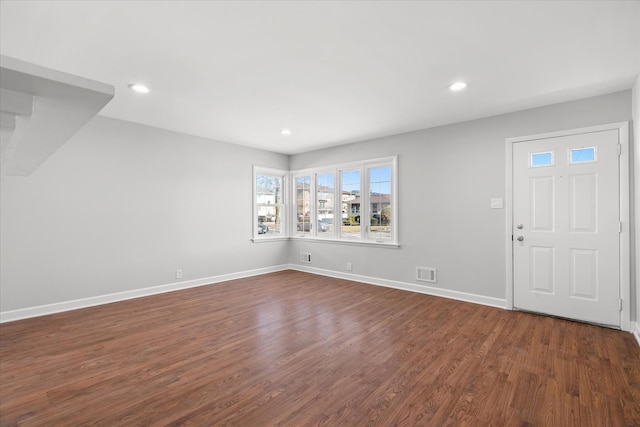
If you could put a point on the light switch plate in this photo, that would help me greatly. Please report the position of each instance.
(496, 203)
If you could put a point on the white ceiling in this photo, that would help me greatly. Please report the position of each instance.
(332, 72)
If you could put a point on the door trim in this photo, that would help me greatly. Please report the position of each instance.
(625, 248)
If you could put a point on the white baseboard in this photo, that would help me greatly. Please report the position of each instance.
(635, 330)
(42, 310)
(24, 313)
(422, 289)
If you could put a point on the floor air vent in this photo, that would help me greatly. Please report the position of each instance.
(425, 274)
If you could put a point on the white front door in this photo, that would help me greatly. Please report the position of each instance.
(566, 225)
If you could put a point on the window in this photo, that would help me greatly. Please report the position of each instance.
(303, 204)
(325, 204)
(380, 203)
(269, 203)
(583, 155)
(353, 202)
(542, 159)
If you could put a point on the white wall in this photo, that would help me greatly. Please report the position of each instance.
(120, 207)
(447, 176)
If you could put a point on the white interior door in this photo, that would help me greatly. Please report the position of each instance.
(566, 227)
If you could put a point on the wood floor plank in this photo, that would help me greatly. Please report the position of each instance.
(295, 349)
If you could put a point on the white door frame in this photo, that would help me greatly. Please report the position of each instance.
(625, 248)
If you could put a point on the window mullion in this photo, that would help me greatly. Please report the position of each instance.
(365, 216)
(337, 205)
(312, 205)
(338, 196)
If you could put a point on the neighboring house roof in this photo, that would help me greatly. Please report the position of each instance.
(376, 198)
(264, 191)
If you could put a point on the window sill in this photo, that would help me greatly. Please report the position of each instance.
(269, 239)
(386, 245)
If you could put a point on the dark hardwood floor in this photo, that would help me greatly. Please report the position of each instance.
(295, 349)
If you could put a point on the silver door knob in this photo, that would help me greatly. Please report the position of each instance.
(519, 226)
(520, 238)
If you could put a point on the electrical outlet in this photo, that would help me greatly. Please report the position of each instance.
(349, 266)
(178, 274)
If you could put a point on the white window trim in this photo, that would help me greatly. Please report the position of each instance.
(294, 205)
(336, 202)
(394, 190)
(284, 222)
(336, 169)
(348, 242)
(289, 213)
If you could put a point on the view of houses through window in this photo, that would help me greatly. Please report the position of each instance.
(351, 201)
(269, 199)
(325, 203)
(354, 202)
(303, 201)
(380, 202)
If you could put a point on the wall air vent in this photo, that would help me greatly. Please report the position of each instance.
(426, 274)
(305, 257)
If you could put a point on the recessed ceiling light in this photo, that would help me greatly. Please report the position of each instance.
(455, 87)
(285, 132)
(140, 88)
